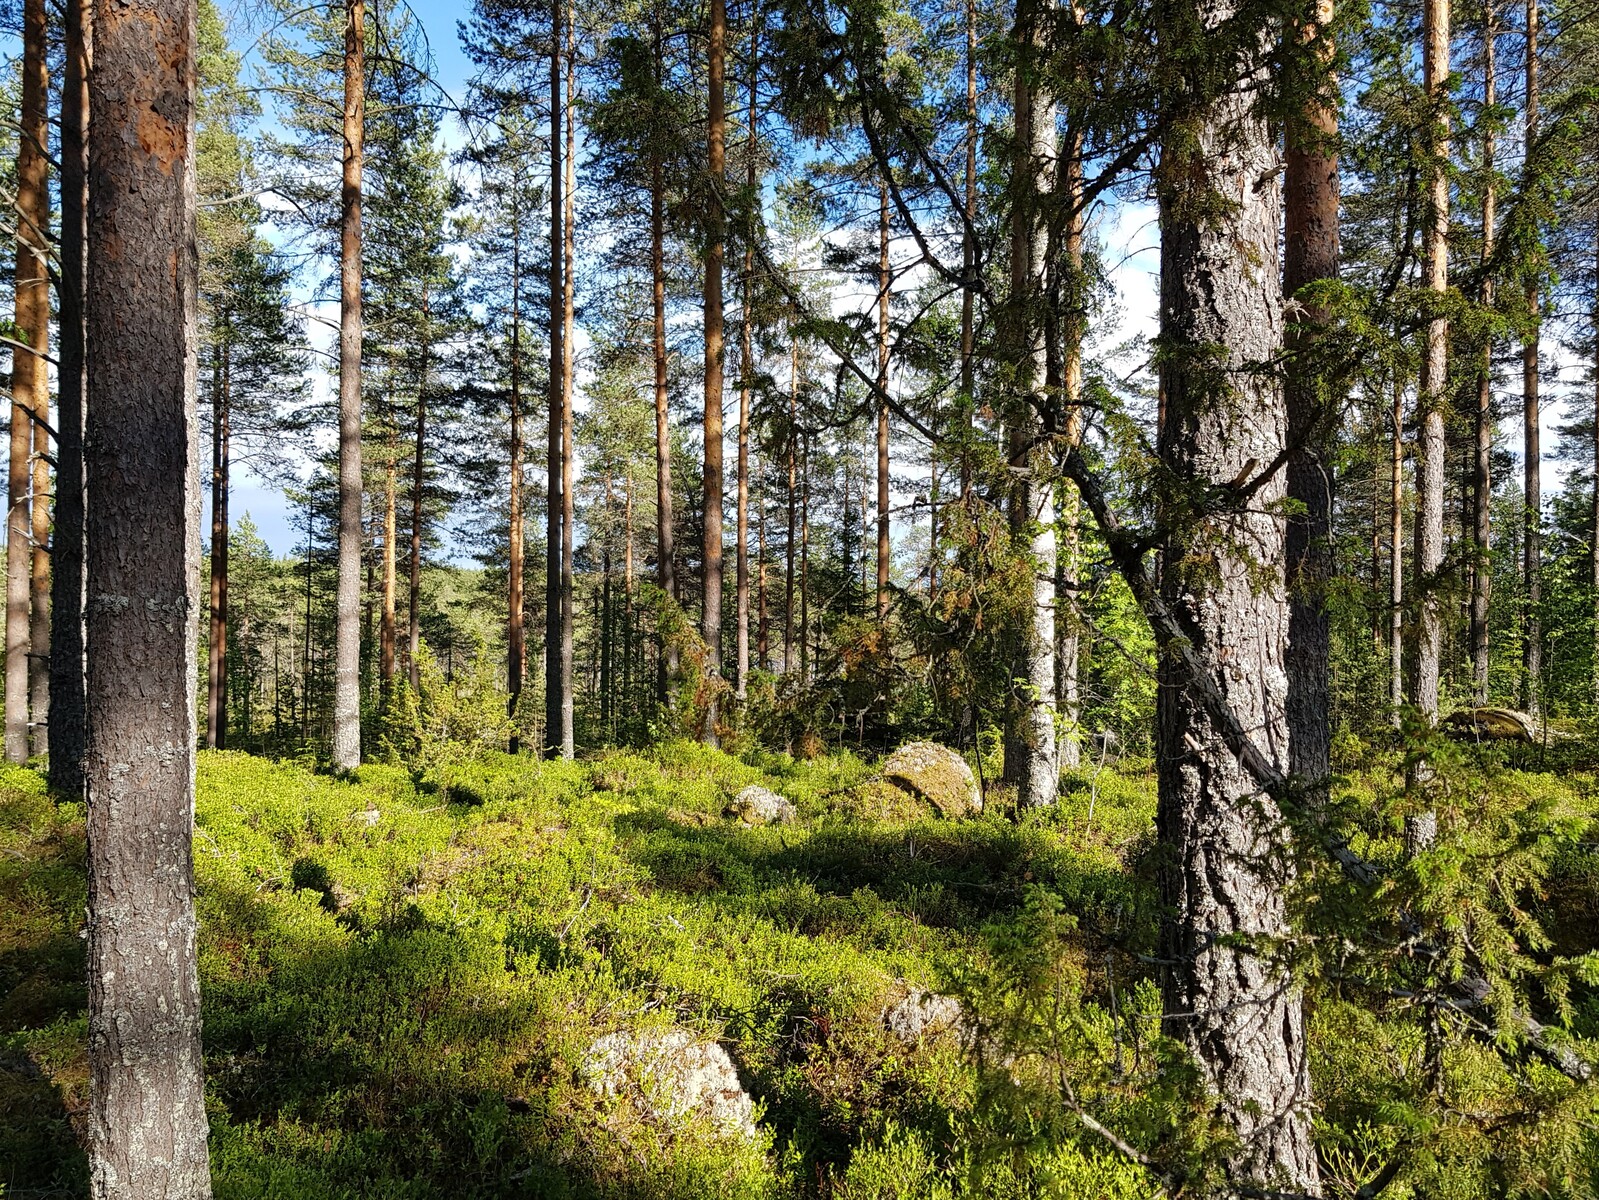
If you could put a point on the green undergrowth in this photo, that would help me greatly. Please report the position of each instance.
(402, 973)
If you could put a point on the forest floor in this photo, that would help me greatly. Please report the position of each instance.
(404, 975)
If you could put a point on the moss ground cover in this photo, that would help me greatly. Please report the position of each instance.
(403, 972)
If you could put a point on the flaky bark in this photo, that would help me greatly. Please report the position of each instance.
(1226, 870)
(68, 724)
(1030, 745)
(347, 630)
(1310, 256)
(29, 375)
(716, 123)
(146, 1122)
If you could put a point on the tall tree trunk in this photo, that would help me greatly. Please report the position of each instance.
(969, 247)
(515, 622)
(716, 122)
(1482, 457)
(746, 372)
(762, 630)
(1431, 451)
(1310, 257)
(418, 488)
(1593, 549)
(805, 560)
(388, 620)
(216, 708)
(882, 400)
(1532, 512)
(1030, 750)
(556, 681)
(568, 346)
(347, 622)
(1396, 553)
(29, 375)
(1235, 1006)
(793, 504)
(663, 423)
(68, 727)
(146, 1129)
(1067, 564)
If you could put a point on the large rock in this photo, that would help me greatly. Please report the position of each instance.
(1495, 724)
(756, 805)
(670, 1075)
(938, 775)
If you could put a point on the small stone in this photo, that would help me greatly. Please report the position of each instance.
(756, 805)
(938, 775)
(670, 1075)
(367, 817)
(923, 1014)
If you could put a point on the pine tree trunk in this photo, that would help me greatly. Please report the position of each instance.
(516, 636)
(555, 681)
(1030, 749)
(1482, 457)
(68, 727)
(1396, 554)
(969, 247)
(388, 621)
(805, 561)
(1067, 646)
(882, 401)
(216, 708)
(346, 750)
(29, 374)
(146, 1129)
(1593, 549)
(1226, 868)
(568, 347)
(1532, 512)
(663, 423)
(1431, 451)
(1310, 257)
(716, 120)
(793, 505)
(418, 487)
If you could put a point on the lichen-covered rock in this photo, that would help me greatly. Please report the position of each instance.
(1495, 724)
(756, 805)
(938, 775)
(923, 1014)
(670, 1075)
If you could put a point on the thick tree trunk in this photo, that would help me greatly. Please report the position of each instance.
(1532, 512)
(716, 121)
(568, 347)
(347, 621)
(29, 374)
(1227, 870)
(68, 727)
(555, 680)
(663, 422)
(882, 400)
(1482, 457)
(1031, 755)
(515, 622)
(1431, 450)
(216, 707)
(146, 1124)
(1310, 257)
